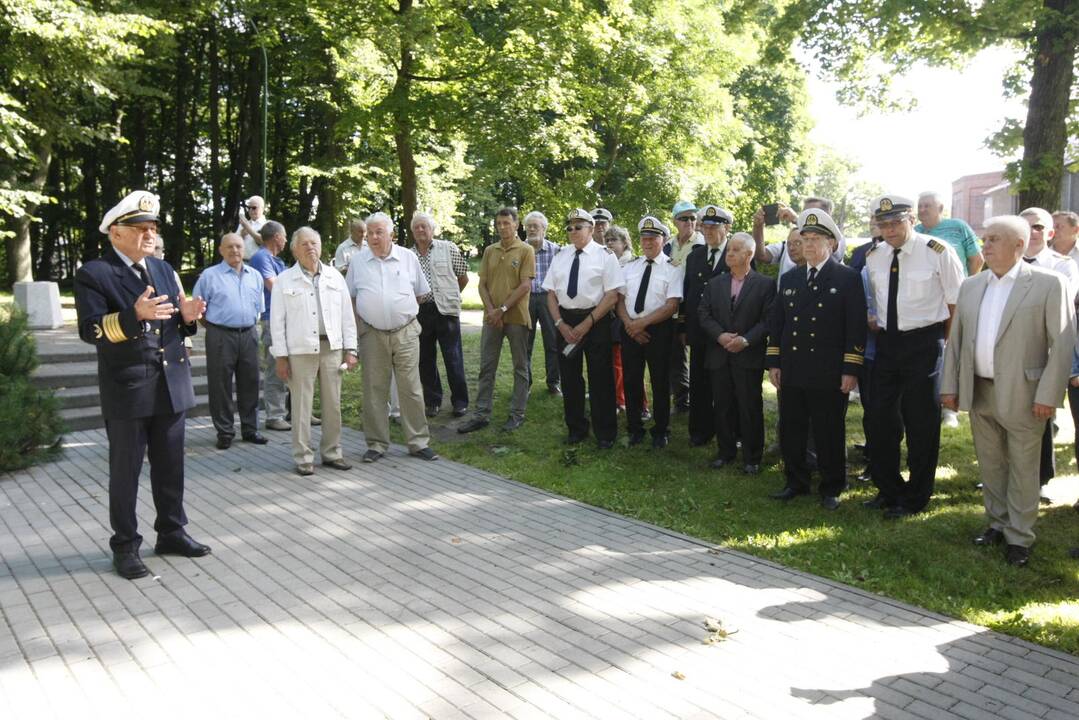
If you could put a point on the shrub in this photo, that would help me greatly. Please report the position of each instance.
(30, 421)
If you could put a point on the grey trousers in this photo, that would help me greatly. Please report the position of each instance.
(541, 315)
(392, 359)
(233, 353)
(490, 352)
(274, 389)
(304, 369)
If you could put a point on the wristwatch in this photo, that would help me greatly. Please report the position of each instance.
(558, 322)
(503, 308)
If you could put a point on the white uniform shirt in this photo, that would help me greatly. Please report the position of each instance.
(345, 251)
(250, 246)
(598, 273)
(929, 281)
(664, 283)
(386, 289)
(989, 315)
(1049, 259)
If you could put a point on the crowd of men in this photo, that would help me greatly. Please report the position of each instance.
(910, 321)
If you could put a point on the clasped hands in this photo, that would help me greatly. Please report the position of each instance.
(151, 307)
(1039, 411)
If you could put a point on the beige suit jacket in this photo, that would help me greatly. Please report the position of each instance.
(1033, 352)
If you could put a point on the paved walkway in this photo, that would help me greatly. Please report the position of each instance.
(410, 590)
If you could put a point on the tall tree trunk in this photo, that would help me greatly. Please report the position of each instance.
(88, 190)
(402, 124)
(177, 237)
(43, 236)
(18, 245)
(217, 226)
(137, 172)
(1045, 133)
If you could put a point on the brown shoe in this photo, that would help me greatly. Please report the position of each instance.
(338, 464)
(305, 469)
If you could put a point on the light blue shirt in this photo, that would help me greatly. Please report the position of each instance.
(233, 299)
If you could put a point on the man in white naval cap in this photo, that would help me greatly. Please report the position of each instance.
(914, 280)
(132, 309)
(602, 219)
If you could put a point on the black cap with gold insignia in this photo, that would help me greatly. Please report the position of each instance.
(139, 206)
(891, 206)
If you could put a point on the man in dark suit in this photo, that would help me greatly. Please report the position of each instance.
(815, 349)
(132, 309)
(733, 314)
(703, 263)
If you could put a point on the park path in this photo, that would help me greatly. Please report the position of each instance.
(407, 589)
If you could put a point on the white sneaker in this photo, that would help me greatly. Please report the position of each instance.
(950, 419)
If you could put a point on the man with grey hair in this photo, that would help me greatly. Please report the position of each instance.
(1065, 233)
(249, 227)
(440, 316)
(357, 231)
(536, 235)
(955, 232)
(388, 286)
(314, 336)
(269, 265)
(1013, 318)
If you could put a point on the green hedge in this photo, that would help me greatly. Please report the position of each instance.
(30, 423)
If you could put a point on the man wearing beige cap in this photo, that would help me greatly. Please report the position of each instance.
(132, 309)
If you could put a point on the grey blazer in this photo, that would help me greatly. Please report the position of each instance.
(747, 317)
(1033, 352)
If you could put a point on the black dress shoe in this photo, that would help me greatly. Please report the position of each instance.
(430, 411)
(864, 476)
(720, 463)
(991, 536)
(875, 504)
(697, 441)
(424, 454)
(554, 390)
(895, 512)
(1017, 555)
(338, 464)
(829, 502)
(476, 423)
(257, 439)
(605, 444)
(636, 438)
(224, 442)
(372, 456)
(180, 543)
(788, 493)
(460, 411)
(129, 565)
(751, 469)
(660, 441)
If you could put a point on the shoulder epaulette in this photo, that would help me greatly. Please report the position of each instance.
(937, 246)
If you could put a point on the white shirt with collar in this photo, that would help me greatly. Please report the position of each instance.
(1049, 259)
(386, 289)
(295, 312)
(997, 291)
(250, 245)
(818, 267)
(598, 273)
(345, 251)
(664, 283)
(929, 281)
(719, 253)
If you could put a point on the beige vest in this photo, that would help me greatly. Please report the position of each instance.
(444, 285)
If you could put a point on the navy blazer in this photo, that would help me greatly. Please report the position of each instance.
(748, 317)
(696, 278)
(817, 332)
(133, 356)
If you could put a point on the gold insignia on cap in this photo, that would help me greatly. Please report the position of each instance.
(885, 204)
(711, 212)
(811, 219)
(146, 203)
(649, 225)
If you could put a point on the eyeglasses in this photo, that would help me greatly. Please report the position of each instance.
(574, 228)
(1039, 227)
(687, 218)
(140, 229)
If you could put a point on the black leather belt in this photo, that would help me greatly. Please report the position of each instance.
(215, 326)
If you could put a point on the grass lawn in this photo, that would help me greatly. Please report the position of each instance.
(927, 560)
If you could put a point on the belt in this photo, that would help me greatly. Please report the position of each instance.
(215, 326)
(577, 311)
(394, 330)
(979, 378)
(924, 329)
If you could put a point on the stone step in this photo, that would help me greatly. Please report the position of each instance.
(89, 418)
(88, 396)
(84, 373)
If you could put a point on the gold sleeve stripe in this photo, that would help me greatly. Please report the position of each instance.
(853, 358)
(113, 331)
(773, 350)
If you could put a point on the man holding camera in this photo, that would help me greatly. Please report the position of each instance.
(249, 227)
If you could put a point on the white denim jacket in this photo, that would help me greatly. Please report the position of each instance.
(294, 313)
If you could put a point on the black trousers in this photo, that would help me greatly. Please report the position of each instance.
(445, 331)
(1073, 405)
(865, 393)
(906, 384)
(679, 371)
(129, 440)
(233, 354)
(541, 315)
(701, 417)
(826, 411)
(738, 411)
(656, 355)
(596, 348)
(1047, 466)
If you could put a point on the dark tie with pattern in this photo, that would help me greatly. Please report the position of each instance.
(642, 291)
(141, 270)
(893, 293)
(712, 258)
(574, 269)
(812, 275)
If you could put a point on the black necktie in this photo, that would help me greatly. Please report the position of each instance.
(141, 270)
(712, 258)
(574, 269)
(812, 275)
(893, 294)
(642, 291)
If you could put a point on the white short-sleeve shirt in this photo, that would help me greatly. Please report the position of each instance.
(385, 289)
(598, 273)
(929, 278)
(664, 283)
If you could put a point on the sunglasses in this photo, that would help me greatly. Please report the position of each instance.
(573, 228)
(1039, 227)
(687, 218)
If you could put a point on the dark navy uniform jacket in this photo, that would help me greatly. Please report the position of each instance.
(817, 333)
(142, 367)
(696, 278)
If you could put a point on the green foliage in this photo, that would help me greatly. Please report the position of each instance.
(29, 417)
